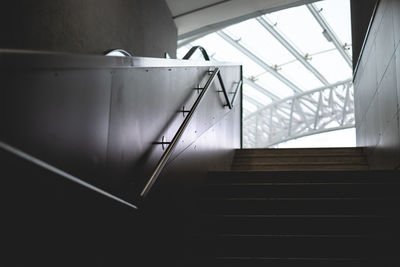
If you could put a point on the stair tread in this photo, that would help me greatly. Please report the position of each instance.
(302, 150)
(305, 167)
(297, 207)
(364, 175)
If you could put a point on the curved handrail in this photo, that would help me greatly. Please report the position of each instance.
(190, 53)
(117, 52)
(171, 147)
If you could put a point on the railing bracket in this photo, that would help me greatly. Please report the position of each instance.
(162, 143)
(198, 88)
(184, 111)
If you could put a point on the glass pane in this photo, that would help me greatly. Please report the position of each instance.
(274, 85)
(301, 28)
(248, 106)
(332, 65)
(299, 75)
(256, 95)
(339, 23)
(260, 42)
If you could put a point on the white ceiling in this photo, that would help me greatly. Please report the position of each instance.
(195, 17)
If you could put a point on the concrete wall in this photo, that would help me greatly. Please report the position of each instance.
(377, 89)
(142, 27)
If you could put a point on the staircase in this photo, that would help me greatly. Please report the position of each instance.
(300, 159)
(297, 207)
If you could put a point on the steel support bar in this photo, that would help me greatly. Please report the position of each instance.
(259, 61)
(299, 56)
(335, 39)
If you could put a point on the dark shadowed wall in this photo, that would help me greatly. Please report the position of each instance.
(97, 118)
(361, 12)
(377, 88)
(142, 27)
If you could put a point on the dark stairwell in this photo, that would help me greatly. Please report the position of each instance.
(296, 207)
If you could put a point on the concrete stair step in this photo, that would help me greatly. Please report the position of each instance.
(323, 205)
(295, 246)
(301, 151)
(283, 262)
(299, 160)
(299, 189)
(294, 224)
(218, 177)
(300, 167)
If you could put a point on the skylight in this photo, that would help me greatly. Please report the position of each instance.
(286, 55)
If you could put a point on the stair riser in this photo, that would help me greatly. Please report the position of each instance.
(303, 190)
(296, 176)
(253, 262)
(299, 160)
(302, 226)
(296, 247)
(301, 151)
(326, 167)
(298, 206)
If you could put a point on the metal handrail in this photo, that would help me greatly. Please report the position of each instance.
(168, 152)
(207, 58)
(190, 53)
(239, 85)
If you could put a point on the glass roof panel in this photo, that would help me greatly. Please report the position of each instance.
(339, 24)
(308, 48)
(273, 85)
(301, 29)
(299, 75)
(249, 106)
(261, 42)
(257, 95)
(213, 44)
(336, 70)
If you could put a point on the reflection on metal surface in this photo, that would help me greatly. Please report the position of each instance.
(321, 110)
(118, 53)
(52, 169)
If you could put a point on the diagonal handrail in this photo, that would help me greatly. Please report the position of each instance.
(171, 147)
(221, 81)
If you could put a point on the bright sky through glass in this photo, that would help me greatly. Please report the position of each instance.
(302, 31)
